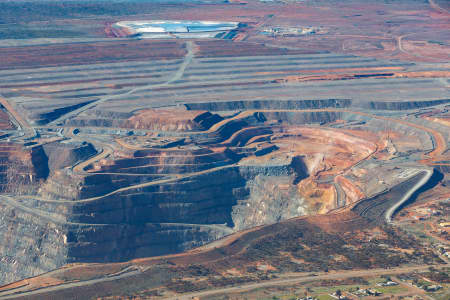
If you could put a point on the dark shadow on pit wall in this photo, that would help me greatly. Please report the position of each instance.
(431, 183)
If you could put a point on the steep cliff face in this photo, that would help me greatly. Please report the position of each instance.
(206, 198)
(22, 169)
(231, 173)
(268, 104)
(64, 154)
(296, 118)
(27, 241)
(311, 104)
(30, 245)
(34, 242)
(270, 200)
(152, 201)
(271, 193)
(395, 105)
(144, 221)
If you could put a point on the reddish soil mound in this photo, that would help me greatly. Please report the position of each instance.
(164, 120)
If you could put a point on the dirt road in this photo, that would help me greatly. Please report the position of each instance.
(439, 147)
(234, 289)
(25, 126)
(405, 197)
(337, 275)
(440, 143)
(176, 76)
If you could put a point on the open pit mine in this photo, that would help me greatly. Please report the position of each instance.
(115, 149)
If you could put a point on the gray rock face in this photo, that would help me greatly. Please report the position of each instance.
(405, 105)
(30, 244)
(110, 216)
(269, 104)
(40, 235)
(270, 200)
(61, 155)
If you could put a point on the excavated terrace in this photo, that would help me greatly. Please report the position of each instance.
(119, 149)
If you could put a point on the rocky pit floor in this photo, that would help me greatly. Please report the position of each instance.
(238, 166)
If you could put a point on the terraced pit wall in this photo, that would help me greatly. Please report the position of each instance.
(153, 218)
(22, 169)
(376, 207)
(269, 104)
(379, 105)
(149, 220)
(312, 104)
